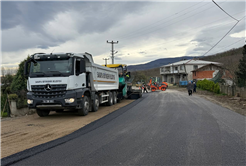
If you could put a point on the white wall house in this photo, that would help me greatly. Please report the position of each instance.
(181, 71)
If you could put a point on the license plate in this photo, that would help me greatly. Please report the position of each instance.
(48, 101)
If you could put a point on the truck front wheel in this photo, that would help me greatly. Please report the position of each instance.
(85, 106)
(42, 113)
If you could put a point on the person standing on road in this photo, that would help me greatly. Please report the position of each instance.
(190, 87)
(194, 90)
(145, 89)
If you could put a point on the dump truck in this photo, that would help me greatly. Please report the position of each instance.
(125, 89)
(70, 81)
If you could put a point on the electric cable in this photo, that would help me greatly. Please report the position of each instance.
(137, 35)
(217, 52)
(221, 39)
(224, 10)
(140, 29)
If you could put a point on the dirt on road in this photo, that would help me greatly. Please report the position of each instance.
(18, 134)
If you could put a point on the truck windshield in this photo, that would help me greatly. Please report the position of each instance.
(51, 68)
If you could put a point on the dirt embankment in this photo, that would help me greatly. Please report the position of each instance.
(18, 134)
(235, 104)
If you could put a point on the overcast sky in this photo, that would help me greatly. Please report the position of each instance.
(146, 31)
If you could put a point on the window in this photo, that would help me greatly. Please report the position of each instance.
(181, 67)
(53, 67)
(195, 67)
(176, 68)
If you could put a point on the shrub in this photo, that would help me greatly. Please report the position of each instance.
(208, 85)
(21, 103)
(13, 97)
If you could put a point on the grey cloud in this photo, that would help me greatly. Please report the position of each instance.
(96, 22)
(91, 17)
(118, 58)
(10, 15)
(142, 52)
(182, 45)
(43, 46)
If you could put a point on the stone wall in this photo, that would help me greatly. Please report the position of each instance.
(14, 112)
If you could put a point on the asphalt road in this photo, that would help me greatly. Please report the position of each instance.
(161, 128)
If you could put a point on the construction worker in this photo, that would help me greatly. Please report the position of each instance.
(127, 75)
(145, 89)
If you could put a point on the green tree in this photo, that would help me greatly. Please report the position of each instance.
(6, 82)
(19, 85)
(19, 82)
(241, 73)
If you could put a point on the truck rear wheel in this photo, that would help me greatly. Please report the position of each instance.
(42, 113)
(85, 106)
(95, 104)
(110, 99)
(114, 97)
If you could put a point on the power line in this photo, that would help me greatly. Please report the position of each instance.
(224, 11)
(227, 46)
(140, 29)
(225, 34)
(136, 35)
(221, 39)
(199, 27)
(187, 35)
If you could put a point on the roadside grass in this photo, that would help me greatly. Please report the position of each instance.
(221, 94)
(4, 114)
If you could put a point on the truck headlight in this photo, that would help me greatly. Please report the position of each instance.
(29, 101)
(71, 100)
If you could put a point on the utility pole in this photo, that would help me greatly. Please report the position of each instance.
(105, 60)
(112, 42)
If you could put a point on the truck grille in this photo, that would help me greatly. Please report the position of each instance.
(53, 91)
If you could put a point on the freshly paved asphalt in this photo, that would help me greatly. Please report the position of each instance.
(161, 128)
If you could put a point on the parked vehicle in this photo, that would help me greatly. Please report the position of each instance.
(69, 81)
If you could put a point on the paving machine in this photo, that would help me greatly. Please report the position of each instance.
(125, 89)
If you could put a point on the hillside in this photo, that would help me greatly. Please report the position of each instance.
(227, 58)
(156, 63)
